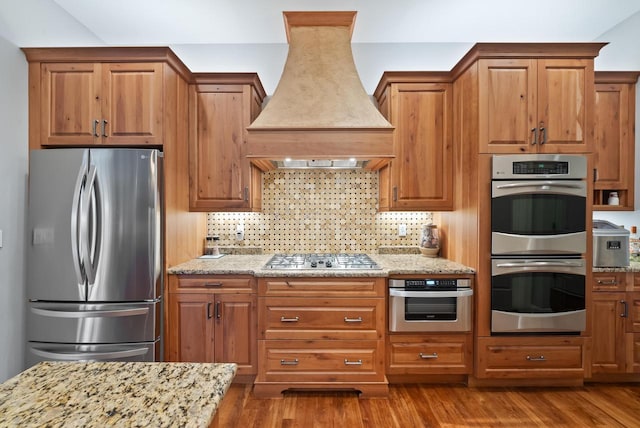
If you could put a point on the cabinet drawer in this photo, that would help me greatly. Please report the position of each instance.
(198, 283)
(320, 361)
(429, 355)
(322, 287)
(313, 318)
(530, 360)
(609, 281)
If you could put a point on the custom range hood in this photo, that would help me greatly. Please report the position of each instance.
(320, 114)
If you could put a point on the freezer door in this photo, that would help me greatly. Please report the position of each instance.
(56, 181)
(39, 351)
(93, 323)
(123, 235)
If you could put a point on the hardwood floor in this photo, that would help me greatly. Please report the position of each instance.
(412, 406)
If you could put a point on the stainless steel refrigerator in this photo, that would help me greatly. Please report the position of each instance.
(94, 258)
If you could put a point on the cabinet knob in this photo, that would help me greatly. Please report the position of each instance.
(625, 309)
(285, 319)
(104, 128)
(535, 136)
(293, 362)
(95, 128)
(352, 363)
(347, 319)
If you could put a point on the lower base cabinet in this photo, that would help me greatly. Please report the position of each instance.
(535, 358)
(429, 354)
(213, 319)
(321, 333)
(615, 326)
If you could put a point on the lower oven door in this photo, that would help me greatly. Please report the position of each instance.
(538, 295)
(430, 310)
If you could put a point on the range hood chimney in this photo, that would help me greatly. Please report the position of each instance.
(320, 111)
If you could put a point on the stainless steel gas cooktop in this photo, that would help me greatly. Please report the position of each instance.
(321, 261)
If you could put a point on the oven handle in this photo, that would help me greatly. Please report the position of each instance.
(544, 185)
(404, 293)
(528, 263)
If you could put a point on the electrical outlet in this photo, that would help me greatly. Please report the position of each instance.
(240, 232)
(402, 230)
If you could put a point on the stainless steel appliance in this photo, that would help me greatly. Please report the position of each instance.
(321, 261)
(94, 257)
(538, 295)
(538, 204)
(538, 238)
(610, 245)
(430, 304)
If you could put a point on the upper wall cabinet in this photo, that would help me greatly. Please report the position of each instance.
(221, 106)
(614, 153)
(89, 96)
(535, 105)
(526, 97)
(105, 96)
(420, 177)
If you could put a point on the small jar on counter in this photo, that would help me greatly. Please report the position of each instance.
(211, 247)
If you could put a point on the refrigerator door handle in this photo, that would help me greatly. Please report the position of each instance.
(75, 207)
(110, 313)
(74, 356)
(87, 231)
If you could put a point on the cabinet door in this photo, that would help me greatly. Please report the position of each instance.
(421, 173)
(614, 143)
(565, 105)
(608, 346)
(633, 312)
(190, 329)
(235, 331)
(70, 104)
(132, 104)
(633, 352)
(220, 173)
(507, 105)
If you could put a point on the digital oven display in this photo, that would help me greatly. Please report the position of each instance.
(541, 167)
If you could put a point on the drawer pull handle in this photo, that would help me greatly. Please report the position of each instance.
(352, 363)
(540, 358)
(609, 282)
(294, 319)
(428, 356)
(289, 362)
(213, 284)
(347, 319)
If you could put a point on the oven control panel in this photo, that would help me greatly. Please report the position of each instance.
(442, 284)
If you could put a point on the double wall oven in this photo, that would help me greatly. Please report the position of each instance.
(538, 239)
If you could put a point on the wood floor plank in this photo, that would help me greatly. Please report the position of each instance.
(438, 406)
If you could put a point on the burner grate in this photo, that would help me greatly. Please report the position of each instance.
(321, 261)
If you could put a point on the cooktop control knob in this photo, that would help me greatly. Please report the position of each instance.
(328, 263)
(314, 264)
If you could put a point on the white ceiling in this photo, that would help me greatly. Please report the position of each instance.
(170, 22)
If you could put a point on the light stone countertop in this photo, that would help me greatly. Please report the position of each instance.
(633, 267)
(391, 264)
(99, 394)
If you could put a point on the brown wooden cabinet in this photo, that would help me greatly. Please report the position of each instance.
(414, 354)
(614, 152)
(323, 333)
(221, 106)
(420, 177)
(213, 319)
(84, 103)
(556, 359)
(616, 325)
(535, 105)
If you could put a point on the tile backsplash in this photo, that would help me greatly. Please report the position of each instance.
(318, 211)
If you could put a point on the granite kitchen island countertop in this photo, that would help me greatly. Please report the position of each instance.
(391, 264)
(633, 267)
(98, 394)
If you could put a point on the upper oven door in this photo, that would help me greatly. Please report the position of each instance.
(538, 217)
